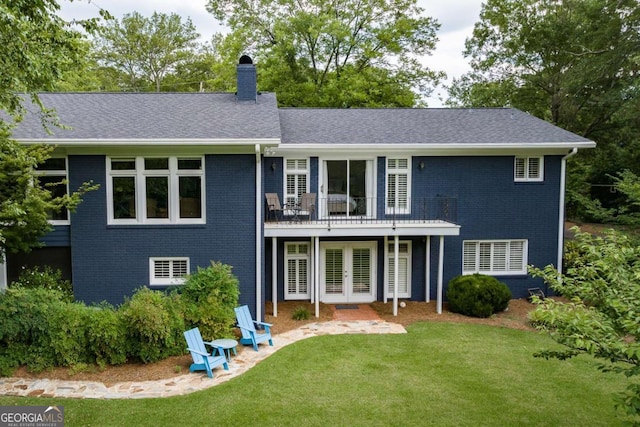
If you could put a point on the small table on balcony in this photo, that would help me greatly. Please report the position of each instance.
(227, 345)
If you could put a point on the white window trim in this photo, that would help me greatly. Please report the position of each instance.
(491, 271)
(64, 173)
(297, 256)
(388, 255)
(526, 177)
(172, 281)
(397, 171)
(139, 175)
(295, 171)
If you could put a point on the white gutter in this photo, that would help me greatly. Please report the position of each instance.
(100, 142)
(563, 179)
(327, 147)
(258, 235)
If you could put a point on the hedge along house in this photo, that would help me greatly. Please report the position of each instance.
(186, 178)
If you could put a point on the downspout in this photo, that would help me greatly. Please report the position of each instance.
(563, 179)
(258, 235)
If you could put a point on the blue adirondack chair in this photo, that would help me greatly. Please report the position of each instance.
(202, 360)
(248, 327)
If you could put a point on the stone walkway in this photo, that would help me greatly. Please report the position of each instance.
(188, 383)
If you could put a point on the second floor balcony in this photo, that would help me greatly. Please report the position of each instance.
(354, 216)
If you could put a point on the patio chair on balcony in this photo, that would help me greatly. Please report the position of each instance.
(274, 209)
(307, 205)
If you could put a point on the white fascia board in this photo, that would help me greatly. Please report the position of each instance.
(361, 230)
(469, 149)
(193, 142)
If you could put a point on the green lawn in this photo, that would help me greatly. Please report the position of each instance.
(438, 374)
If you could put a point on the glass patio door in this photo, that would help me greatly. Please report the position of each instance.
(348, 272)
(347, 188)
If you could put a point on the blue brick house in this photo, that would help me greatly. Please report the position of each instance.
(322, 205)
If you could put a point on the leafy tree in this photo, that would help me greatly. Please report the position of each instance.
(601, 319)
(574, 63)
(36, 47)
(144, 50)
(349, 53)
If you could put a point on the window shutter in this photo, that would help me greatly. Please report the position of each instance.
(361, 271)
(520, 168)
(162, 269)
(469, 257)
(297, 270)
(516, 256)
(533, 171)
(494, 257)
(397, 186)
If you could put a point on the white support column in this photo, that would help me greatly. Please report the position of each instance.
(440, 268)
(274, 275)
(396, 270)
(316, 270)
(259, 235)
(312, 273)
(427, 269)
(386, 266)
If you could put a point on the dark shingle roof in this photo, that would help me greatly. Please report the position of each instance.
(418, 126)
(124, 116)
(219, 116)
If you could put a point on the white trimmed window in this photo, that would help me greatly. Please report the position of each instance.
(398, 186)
(296, 180)
(52, 175)
(528, 169)
(494, 257)
(155, 190)
(404, 270)
(296, 273)
(168, 271)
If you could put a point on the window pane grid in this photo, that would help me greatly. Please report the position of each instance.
(156, 189)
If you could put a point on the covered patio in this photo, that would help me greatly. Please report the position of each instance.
(390, 230)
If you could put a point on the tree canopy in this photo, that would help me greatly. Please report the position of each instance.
(142, 51)
(574, 63)
(602, 286)
(339, 54)
(37, 47)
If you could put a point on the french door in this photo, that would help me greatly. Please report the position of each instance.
(347, 272)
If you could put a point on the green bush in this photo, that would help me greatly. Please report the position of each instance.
(45, 278)
(106, 336)
(477, 295)
(209, 296)
(25, 328)
(41, 328)
(300, 313)
(67, 328)
(148, 319)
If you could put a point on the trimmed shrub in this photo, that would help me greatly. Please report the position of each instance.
(45, 278)
(209, 297)
(25, 337)
(67, 329)
(477, 295)
(149, 322)
(106, 336)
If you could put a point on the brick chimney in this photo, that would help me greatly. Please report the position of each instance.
(247, 80)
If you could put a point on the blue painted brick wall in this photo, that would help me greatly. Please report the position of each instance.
(492, 206)
(110, 262)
